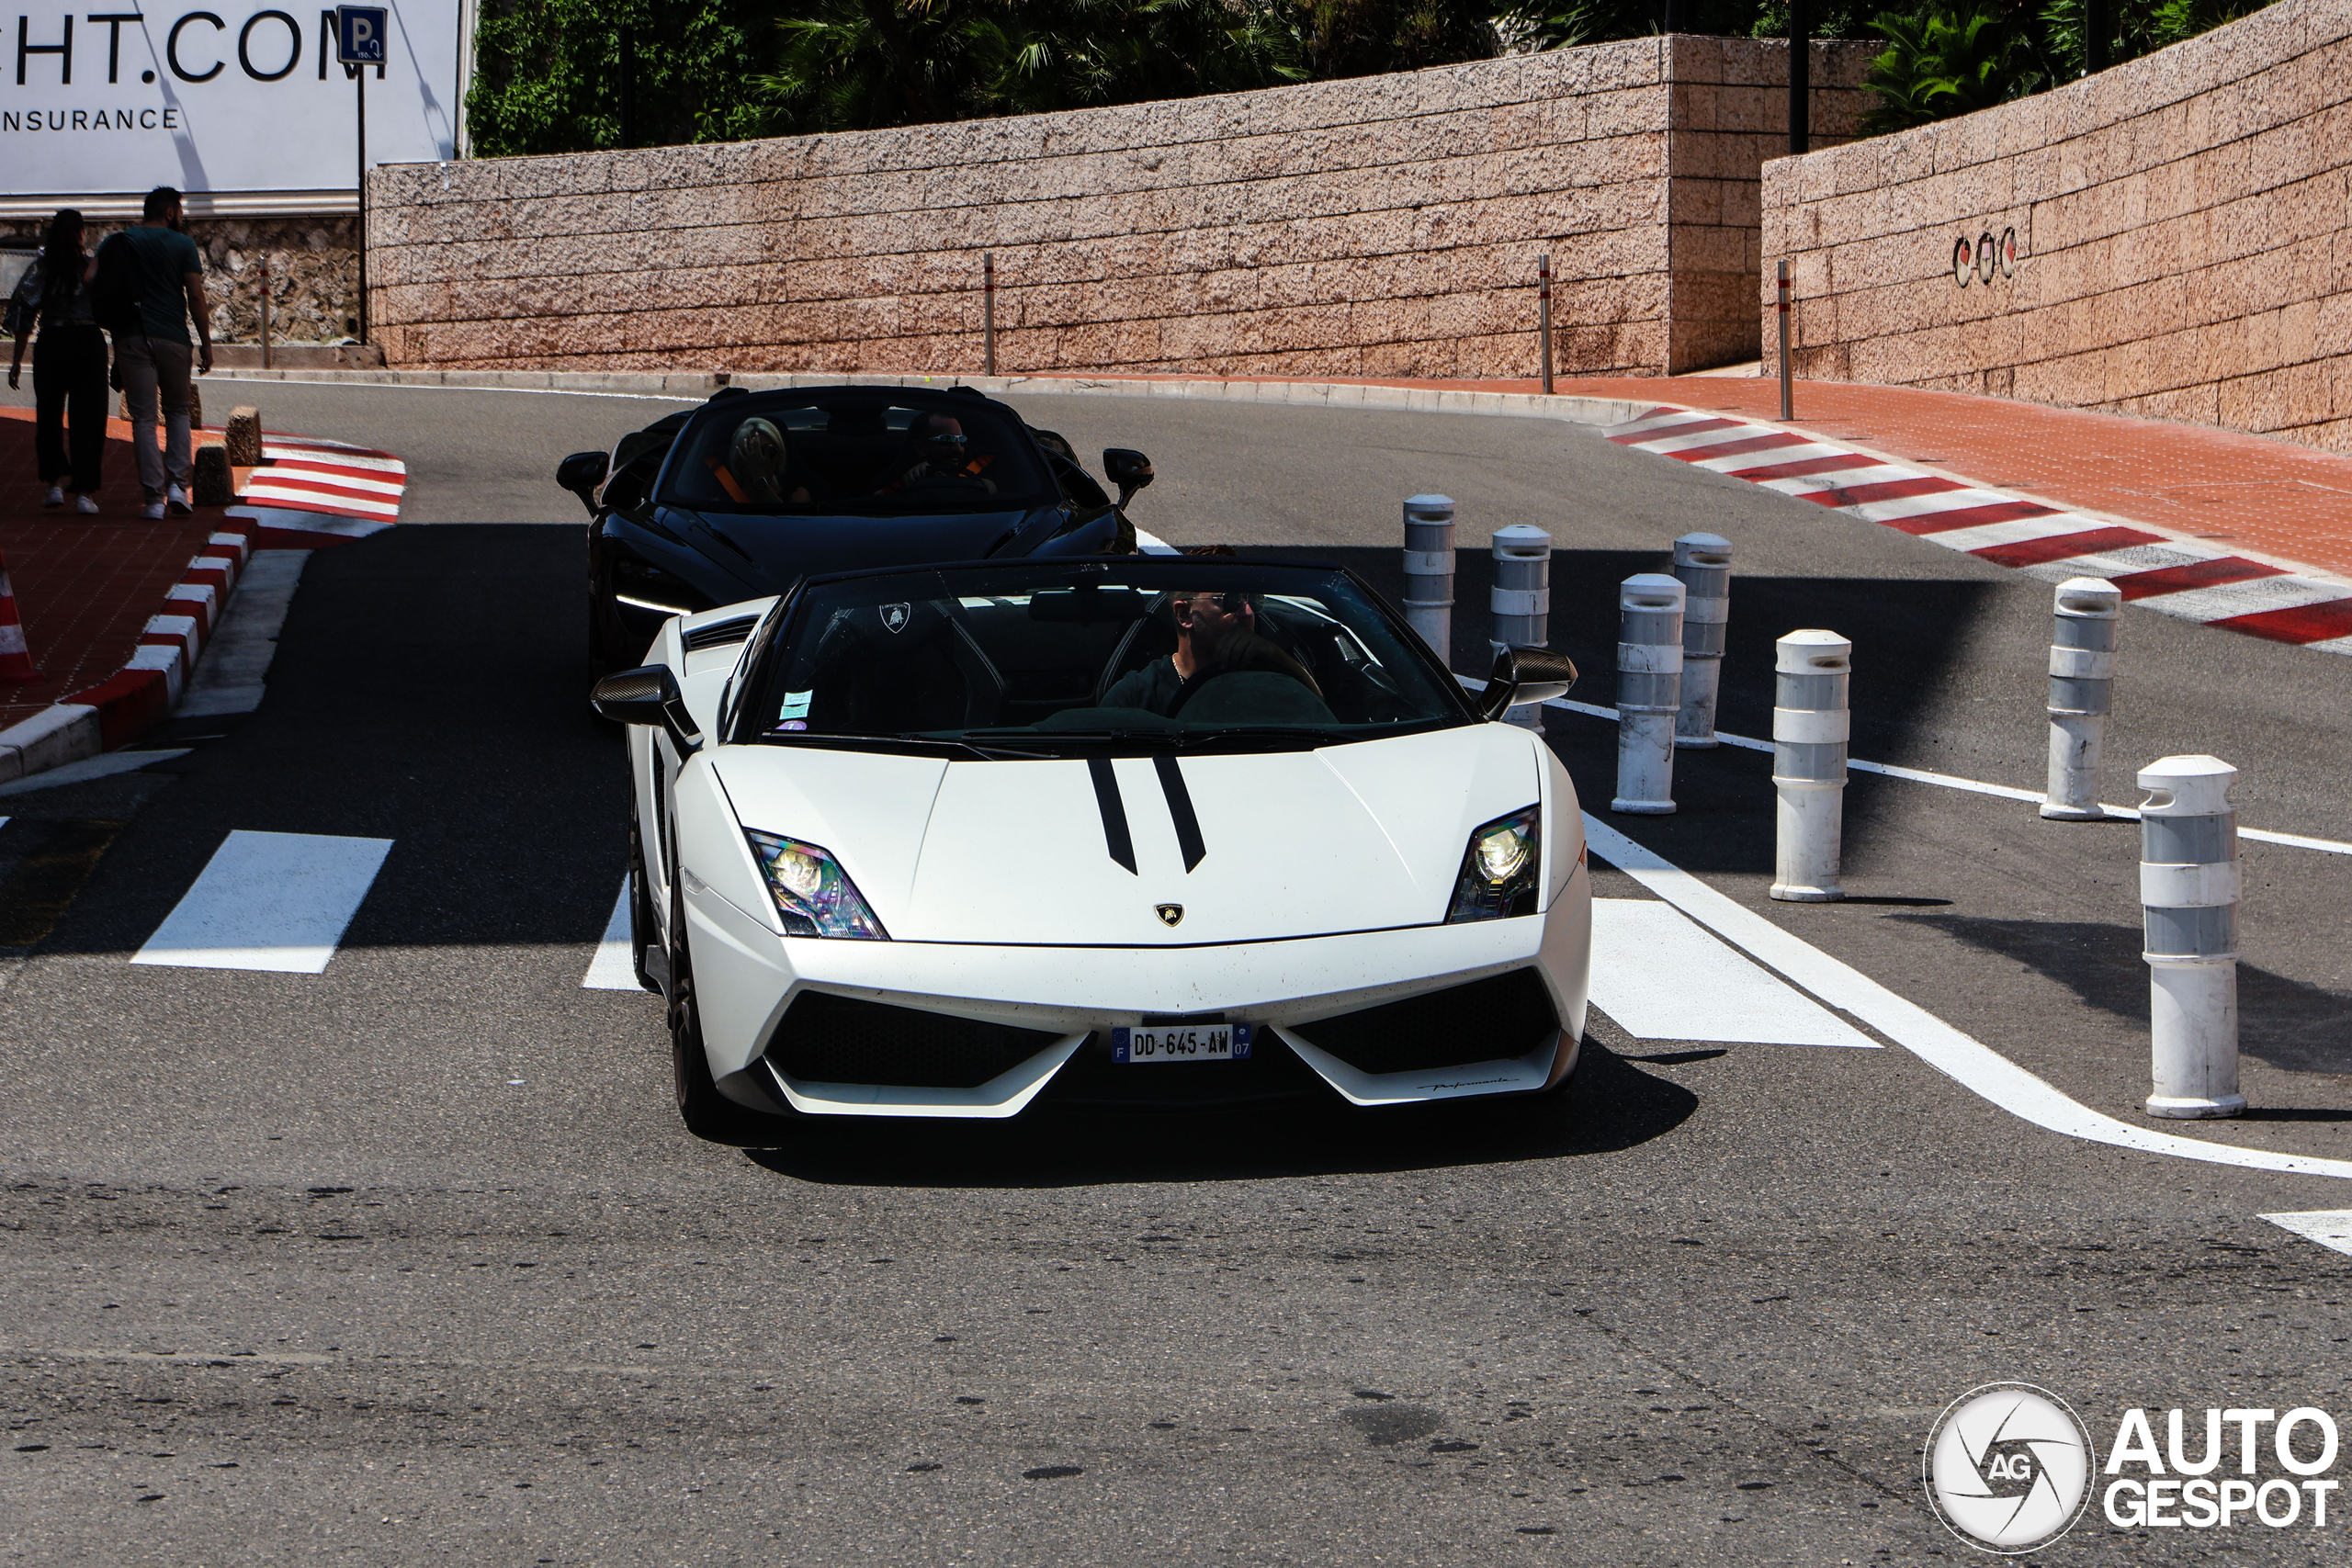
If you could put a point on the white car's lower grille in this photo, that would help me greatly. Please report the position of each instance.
(829, 1039)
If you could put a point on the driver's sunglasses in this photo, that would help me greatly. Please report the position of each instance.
(938, 440)
(1231, 603)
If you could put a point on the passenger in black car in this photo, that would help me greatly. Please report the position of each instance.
(1217, 634)
(757, 463)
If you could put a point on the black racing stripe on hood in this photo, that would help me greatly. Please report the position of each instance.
(1115, 812)
(1180, 809)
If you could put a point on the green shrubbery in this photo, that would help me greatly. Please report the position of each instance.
(549, 73)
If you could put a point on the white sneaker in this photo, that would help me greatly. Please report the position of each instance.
(177, 503)
(86, 506)
(56, 496)
(153, 511)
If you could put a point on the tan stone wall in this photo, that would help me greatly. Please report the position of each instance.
(1387, 225)
(2182, 225)
(313, 272)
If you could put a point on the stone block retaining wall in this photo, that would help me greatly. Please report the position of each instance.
(2184, 235)
(313, 272)
(1387, 226)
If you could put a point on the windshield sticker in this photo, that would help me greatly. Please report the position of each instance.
(795, 704)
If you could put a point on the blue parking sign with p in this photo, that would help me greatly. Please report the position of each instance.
(360, 31)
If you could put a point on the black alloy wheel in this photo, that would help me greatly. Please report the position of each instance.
(708, 1114)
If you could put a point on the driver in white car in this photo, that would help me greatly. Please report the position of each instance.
(1216, 633)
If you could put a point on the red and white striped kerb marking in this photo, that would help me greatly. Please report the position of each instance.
(306, 474)
(2178, 577)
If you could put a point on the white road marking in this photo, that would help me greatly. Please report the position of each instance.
(615, 967)
(276, 902)
(2329, 1227)
(1662, 978)
(1948, 781)
(1965, 1060)
(99, 767)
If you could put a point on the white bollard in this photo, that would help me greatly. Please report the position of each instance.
(2189, 890)
(1428, 572)
(2082, 694)
(1703, 563)
(1649, 692)
(1810, 724)
(1521, 601)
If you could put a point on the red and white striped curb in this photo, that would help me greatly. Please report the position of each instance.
(330, 477)
(2178, 577)
(314, 494)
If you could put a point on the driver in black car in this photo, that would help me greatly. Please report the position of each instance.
(1216, 634)
(943, 456)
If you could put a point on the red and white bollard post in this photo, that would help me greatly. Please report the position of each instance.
(16, 659)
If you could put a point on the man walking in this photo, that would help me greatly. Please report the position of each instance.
(152, 276)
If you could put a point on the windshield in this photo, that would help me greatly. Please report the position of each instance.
(838, 451)
(1035, 657)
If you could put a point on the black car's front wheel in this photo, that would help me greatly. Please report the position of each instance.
(708, 1114)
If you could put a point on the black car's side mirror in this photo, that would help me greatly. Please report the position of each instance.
(1128, 469)
(581, 474)
(1523, 675)
(647, 696)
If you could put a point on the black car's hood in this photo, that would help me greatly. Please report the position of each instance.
(769, 552)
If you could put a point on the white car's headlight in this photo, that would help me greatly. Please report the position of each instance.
(812, 892)
(1501, 869)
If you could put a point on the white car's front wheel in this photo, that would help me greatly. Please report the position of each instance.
(708, 1114)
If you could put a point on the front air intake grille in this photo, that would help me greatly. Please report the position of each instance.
(1507, 1015)
(718, 633)
(829, 1039)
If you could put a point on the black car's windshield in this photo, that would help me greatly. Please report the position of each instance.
(1137, 654)
(854, 452)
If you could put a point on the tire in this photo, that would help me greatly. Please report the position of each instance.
(642, 932)
(708, 1114)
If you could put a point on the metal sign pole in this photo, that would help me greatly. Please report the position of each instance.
(359, 42)
(363, 203)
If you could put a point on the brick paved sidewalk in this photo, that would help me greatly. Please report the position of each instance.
(85, 586)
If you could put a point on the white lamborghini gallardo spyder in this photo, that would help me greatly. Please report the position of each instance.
(958, 840)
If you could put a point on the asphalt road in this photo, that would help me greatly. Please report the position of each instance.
(410, 1260)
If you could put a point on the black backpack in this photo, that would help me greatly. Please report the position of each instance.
(114, 293)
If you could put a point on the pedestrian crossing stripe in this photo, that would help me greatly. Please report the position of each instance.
(268, 901)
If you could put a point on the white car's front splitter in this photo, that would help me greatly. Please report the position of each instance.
(747, 977)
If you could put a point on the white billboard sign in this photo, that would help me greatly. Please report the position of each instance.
(244, 100)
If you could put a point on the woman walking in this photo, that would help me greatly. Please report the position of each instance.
(70, 367)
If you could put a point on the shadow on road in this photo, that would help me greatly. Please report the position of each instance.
(2297, 1027)
(1611, 1105)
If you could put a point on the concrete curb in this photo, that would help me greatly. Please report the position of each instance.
(698, 384)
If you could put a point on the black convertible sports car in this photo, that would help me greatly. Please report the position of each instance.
(751, 492)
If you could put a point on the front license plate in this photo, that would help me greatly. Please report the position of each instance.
(1181, 1042)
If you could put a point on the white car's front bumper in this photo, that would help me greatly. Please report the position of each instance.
(747, 977)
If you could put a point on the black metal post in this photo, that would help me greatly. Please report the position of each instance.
(1672, 20)
(1800, 77)
(628, 86)
(362, 78)
(2096, 28)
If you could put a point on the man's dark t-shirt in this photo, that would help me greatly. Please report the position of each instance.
(161, 260)
(1152, 688)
